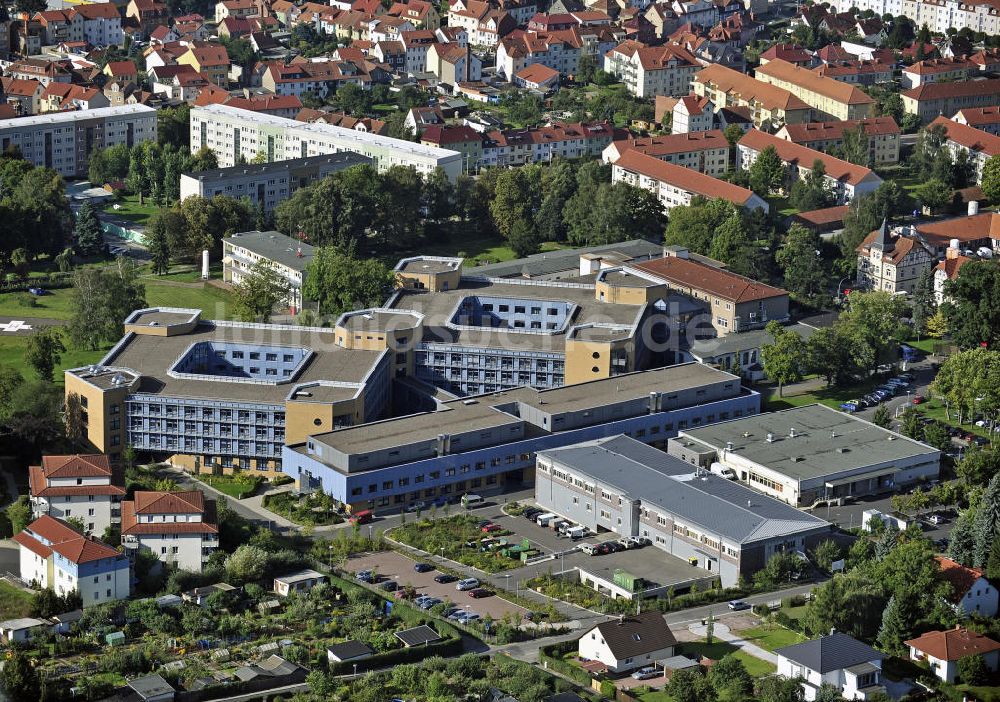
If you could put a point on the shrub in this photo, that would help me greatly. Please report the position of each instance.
(27, 300)
(793, 601)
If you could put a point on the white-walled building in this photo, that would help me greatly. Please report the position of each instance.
(971, 590)
(54, 555)
(629, 642)
(692, 114)
(179, 528)
(81, 486)
(648, 71)
(854, 668)
(942, 650)
(288, 256)
(234, 134)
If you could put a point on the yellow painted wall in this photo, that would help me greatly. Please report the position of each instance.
(98, 431)
(301, 417)
(629, 295)
(581, 365)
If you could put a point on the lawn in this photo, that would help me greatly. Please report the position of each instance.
(183, 273)
(795, 613)
(12, 350)
(14, 603)
(476, 248)
(231, 486)
(213, 302)
(654, 696)
(55, 305)
(719, 649)
(772, 637)
(130, 209)
(935, 410)
(831, 397)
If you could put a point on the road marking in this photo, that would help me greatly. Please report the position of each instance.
(15, 326)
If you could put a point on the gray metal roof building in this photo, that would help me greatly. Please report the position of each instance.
(625, 486)
(806, 453)
(275, 246)
(566, 262)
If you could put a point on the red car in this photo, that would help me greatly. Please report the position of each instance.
(479, 592)
(919, 400)
(490, 528)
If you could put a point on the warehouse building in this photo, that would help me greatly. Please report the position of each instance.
(63, 141)
(811, 453)
(621, 485)
(483, 444)
(241, 136)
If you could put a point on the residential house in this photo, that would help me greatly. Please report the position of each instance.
(938, 70)
(736, 303)
(419, 118)
(17, 631)
(178, 528)
(453, 64)
(984, 118)
(883, 136)
(464, 139)
(102, 25)
(741, 353)
(844, 180)
(971, 590)
(648, 71)
(53, 554)
(289, 257)
(930, 100)
(416, 44)
(892, 261)
(320, 78)
(977, 145)
(538, 77)
(148, 14)
(828, 97)
(769, 105)
(557, 50)
(421, 14)
(211, 60)
(515, 147)
(948, 270)
(853, 668)
(392, 54)
(485, 24)
(121, 70)
(706, 152)
(360, 124)
(859, 72)
(42, 70)
(69, 96)
(78, 486)
(628, 642)
(236, 8)
(676, 185)
(692, 114)
(302, 581)
(57, 26)
(942, 650)
(792, 53)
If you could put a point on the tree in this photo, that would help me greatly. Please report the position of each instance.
(64, 260)
(730, 678)
(987, 522)
(972, 670)
(523, 238)
(398, 216)
(767, 172)
(882, 417)
(992, 570)
(802, 265)
(865, 214)
(338, 282)
(934, 195)
(46, 603)
(778, 689)
(158, 233)
(514, 200)
(873, 321)
(991, 178)
(924, 305)
(937, 436)
(828, 692)
(784, 360)
(894, 630)
(335, 211)
(19, 514)
(259, 291)
(811, 192)
(44, 351)
(694, 226)
(973, 307)
(689, 685)
(585, 69)
(937, 324)
(829, 355)
(19, 678)
(247, 563)
(826, 552)
(101, 300)
(108, 165)
(962, 539)
(851, 602)
(854, 147)
(20, 259)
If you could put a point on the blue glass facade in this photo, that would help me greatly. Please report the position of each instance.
(467, 370)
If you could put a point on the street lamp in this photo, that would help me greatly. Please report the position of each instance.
(840, 286)
(369, 533)
(507, 584)
(355, 670)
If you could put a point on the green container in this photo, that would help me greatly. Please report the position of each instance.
(626, 580)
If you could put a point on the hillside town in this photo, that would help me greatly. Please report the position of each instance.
(499, 351)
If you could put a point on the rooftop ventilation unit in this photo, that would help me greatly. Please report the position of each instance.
(791, 433)
(770, 437)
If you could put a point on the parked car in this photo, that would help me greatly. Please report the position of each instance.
(918, 400)
(937, 519)
(455, 614)
(851, 406)
(429, 602)
(644, 540)
(980, 440)
(469, 617)
(646, 673)
(365, 576)
(589, 549)
(490, 528)
(738, 605)
(423, 567)
(417, 506)
(531, 513)
(445, 578)
(38, 292)
(467, 584)
(390, 586)
(479, 592)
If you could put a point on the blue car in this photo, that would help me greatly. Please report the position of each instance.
(423, 567)
(849, 406)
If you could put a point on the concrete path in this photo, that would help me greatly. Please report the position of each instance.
(722, 632)
(250, 508)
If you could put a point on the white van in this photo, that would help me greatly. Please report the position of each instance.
(544, 519)
(724, 471)
(577, 532)
(470, 501)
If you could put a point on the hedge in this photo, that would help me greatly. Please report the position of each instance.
(49, 282)
(551, 656)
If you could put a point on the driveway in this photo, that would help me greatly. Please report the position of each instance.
(396, 566)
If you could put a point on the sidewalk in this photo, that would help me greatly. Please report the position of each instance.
(722, 633)
(250, 507)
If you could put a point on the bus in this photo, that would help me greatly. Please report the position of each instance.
(362, 517)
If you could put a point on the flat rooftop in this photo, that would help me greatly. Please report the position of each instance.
(826, 441)
(160, 318)
(699, 498)
(344, 159)
(439, 307)
(121, 111)
(380, 320)
(275, 246)
(428, 265)
(625, 279)
(565, 260)
(484, 411)
(152, 356)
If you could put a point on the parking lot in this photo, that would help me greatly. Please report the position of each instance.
(395, 566)
(650, 563)
(849, 515)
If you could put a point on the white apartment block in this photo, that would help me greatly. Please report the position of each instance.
(289, 257)
(63, 141)
(938, 15)
(648, 71)
(83, 487)
(236, 135)
(54, 555)
(179, 528)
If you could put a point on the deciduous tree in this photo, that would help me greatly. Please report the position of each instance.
(785, 359)
(259, 291)
(101, 300)
(799, 259)
(767, 172)
(973, 306)
(44, 351)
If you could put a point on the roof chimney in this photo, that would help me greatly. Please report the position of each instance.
(770, 437)
(791, 433)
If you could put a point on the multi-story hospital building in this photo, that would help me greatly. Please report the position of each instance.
(502, 367)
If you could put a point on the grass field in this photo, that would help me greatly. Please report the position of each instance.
(832, 397)
(227, 485)
(130, 209)
(213, 302)
(12, 349)
(14, 603)
(655, 696)
(477, 249)
(52, 306)
(772, 637)
(719, 649)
